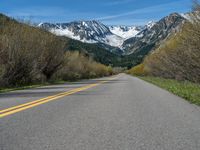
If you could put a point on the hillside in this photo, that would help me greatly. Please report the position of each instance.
(178, 58)
(30, 55)
(152, 37)
(139, 41)
(126, 45)
(96, 51)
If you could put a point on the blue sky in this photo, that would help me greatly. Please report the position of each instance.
(111, 12)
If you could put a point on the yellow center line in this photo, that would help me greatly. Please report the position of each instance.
(21, 107)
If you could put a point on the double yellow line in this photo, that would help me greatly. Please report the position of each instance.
(19, 108)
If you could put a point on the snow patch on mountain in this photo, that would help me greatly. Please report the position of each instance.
(85, 31)
(95, 32)
(150, 24)
(124, 31)
(114, 40)
(65, 32)
(188, 16)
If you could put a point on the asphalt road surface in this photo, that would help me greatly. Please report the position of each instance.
(115, 113)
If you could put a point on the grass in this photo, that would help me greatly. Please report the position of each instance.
(185, 89)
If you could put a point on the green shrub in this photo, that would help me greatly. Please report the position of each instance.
(138, 70)
(30, 55)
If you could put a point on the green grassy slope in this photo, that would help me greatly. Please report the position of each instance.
(185, 89)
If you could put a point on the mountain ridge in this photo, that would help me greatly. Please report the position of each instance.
(154, 34)
(85, 31)
(138, 46)
(93, 32)
(118, 39)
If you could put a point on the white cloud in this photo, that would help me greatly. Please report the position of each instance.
(156, 8)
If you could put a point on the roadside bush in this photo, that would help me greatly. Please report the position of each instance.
(29, 55)
(78, 66)
(138, 70)
(179, 57)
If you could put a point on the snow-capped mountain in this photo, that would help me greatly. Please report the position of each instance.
(93, 32)
(126, 32)
(150, 24)
(85, 31)
(120, 39)
(153, 34)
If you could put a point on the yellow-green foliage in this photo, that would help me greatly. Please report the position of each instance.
(27, 54)
(137, 70)
(178, 58)
(30, 55)
(79, 66)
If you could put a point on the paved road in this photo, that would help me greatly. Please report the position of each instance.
(124, 113)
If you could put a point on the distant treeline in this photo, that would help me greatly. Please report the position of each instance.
(29, 55)
(179, 57)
